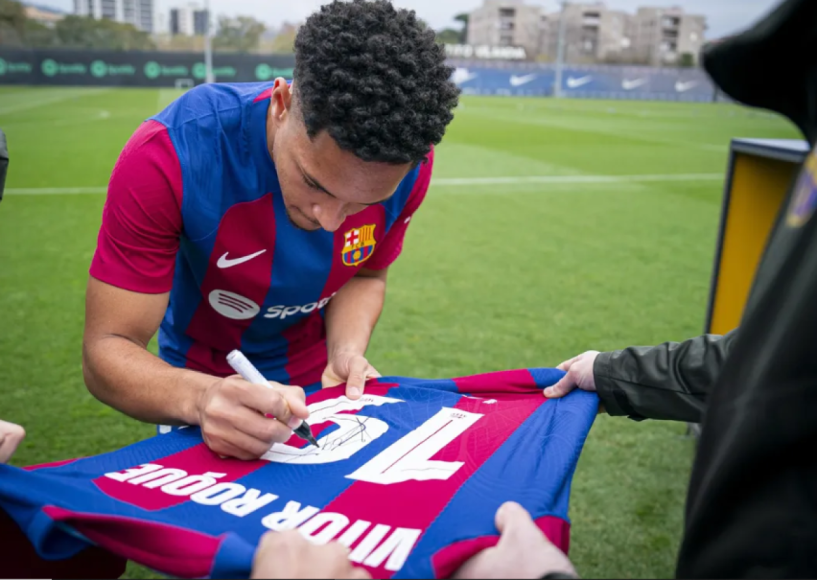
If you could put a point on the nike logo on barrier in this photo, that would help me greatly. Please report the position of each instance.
(683, 87)
(224, 262)
(518, 81)
(462, 75)
(576, 83)
(634, 84)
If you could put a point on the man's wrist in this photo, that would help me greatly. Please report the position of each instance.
(345, 349)
(195, 385)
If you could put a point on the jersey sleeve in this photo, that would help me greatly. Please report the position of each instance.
(142, 220)
(392, 245)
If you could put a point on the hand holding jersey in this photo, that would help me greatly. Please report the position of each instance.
(580, 375)
(11, 436)
(523, 551)
(290, 555)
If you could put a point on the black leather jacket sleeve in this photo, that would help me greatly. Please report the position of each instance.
(4, 162)
(670, 381)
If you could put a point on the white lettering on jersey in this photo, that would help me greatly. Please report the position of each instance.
(290, 518)
(369, 543)
(251, 501)
(133, 472)
(284, 312)
(324, 527)
(410, 457)
(218, 494)
(355, 432)
(396, 548)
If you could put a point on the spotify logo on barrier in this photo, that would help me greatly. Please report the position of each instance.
(50, 67)
(152, 70)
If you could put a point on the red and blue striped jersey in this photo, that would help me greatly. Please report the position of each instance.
(409, 477)
(195, 208)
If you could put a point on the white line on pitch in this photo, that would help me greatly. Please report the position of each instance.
(457, 181)
(556, 179)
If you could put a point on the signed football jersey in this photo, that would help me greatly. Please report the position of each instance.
(409, 477)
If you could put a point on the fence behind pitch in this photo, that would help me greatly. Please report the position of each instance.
(588, 81)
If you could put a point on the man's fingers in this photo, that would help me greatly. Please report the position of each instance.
(565, 366)
(560, 389)
(10, 437)
(509, 515)
(358, 367)
(296, 401)
(272, 402)
(516, 525)
(359, 574)
(265, 429)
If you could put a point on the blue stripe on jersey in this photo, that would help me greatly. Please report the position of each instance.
(558, 426)
(394, 206)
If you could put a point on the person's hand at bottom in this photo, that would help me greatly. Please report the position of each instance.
(523, 551)
(11, 436)
(290, 555)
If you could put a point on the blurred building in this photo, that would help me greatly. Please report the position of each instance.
(593, 34)
(44, 15)
(136, 12)
(189, 20)
(506, 23)
(663, 35)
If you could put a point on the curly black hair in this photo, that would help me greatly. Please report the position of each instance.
(375, 78)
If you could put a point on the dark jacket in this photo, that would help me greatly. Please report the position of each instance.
(752, 503)
(670, 381)
(4, 162)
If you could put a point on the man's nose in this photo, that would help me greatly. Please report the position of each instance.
(330, 215)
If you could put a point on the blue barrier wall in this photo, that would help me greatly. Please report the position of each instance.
(593, 82)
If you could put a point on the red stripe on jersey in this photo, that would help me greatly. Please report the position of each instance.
(266, 94)
(514, 383)
(196, 460)
(236, 284)
(306, 354)
(51, 465)
(422, 501)
(152, 544)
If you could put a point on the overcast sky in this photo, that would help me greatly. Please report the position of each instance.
(724, 16)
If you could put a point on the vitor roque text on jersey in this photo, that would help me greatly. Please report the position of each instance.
(376, 544)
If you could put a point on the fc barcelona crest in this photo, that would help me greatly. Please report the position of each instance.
(358, 245)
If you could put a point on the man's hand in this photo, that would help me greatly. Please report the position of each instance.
(350, 368)
(235, 416)
(523, 550)
(290, 555)
(579, 374)
(10, 437)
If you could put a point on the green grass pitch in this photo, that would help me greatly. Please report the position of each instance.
(526, 252)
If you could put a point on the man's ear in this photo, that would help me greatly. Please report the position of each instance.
(281, 99)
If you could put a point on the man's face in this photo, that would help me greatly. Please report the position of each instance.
(322, 184)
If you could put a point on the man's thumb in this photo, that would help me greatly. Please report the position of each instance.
(511, 518)
(560, 389)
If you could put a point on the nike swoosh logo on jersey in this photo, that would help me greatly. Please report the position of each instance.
(224, 262)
